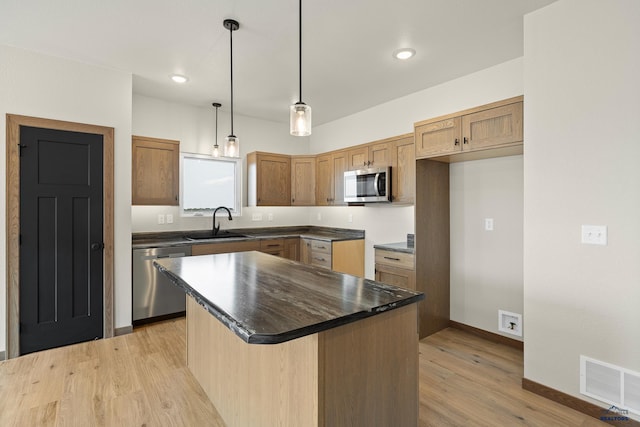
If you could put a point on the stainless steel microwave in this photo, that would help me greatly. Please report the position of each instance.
(367, 185)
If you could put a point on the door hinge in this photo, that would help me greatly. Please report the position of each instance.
(19, 239)
(20, 147)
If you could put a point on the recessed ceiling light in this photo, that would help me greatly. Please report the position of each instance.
(178, 78)
(404, 53)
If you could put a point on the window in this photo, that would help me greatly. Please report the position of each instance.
(208, 182)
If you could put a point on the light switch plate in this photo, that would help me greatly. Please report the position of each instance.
(269, 217)
(594, 234)
(160, 218)
(169, 218)
(256, 217)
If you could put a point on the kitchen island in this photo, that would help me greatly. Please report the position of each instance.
(276, 342)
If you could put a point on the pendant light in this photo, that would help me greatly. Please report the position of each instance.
(232, 145)
(300, 113)
(216, 148)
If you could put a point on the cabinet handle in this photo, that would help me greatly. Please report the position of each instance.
(457, 142)
(392, 259)
(273, 245)
(465, 140)
(293, 200)
(319, 259)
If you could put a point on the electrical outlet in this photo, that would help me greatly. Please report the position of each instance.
(319, 216)
(510, 323)
(488, 224)
(594, 234)
(160, 218)
(269, 217)
(256, 217)
(169, 218)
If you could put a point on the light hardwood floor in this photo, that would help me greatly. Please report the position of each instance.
(141, 379)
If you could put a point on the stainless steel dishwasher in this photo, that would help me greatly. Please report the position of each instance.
(154, 296)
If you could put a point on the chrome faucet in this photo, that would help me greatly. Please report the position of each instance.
(216, 228)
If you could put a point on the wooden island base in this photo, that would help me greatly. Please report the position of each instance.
(363, 373)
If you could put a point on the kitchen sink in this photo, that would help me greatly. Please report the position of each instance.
(211, 236)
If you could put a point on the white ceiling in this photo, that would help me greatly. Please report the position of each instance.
(347, 46)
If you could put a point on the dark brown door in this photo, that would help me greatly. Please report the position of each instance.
(61, 262)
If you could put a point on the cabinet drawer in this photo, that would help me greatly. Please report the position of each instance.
(272, 245)
(321, 246)
(320, 259)
(395, 259)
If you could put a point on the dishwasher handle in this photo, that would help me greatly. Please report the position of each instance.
(151, 257)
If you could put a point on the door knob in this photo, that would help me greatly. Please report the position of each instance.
(96, 246)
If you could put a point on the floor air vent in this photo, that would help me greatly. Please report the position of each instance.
(610, 384)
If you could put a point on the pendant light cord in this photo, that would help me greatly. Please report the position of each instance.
(231, 45)
(300, 45)
(216, 126)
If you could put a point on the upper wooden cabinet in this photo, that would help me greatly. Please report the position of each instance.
(339, 164)
(324, 180)
(380, 154)
(303, 180)
(269, 179)
(155, 171)
(491, 130)
(330, 168)
(358, 158)
(403, 169)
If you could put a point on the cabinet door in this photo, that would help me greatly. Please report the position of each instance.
(155, 171)
(380, 154)
(305, 251)
(223, 248)
(358, 158)
(303, 181)
(273, 180)
(339, 166)
(403, 170)
(348, 257)
(292, 249)
(438, 138)
(324, 180)
(401, 277)
(492, 127)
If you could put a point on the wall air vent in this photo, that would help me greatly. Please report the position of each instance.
(611, 384)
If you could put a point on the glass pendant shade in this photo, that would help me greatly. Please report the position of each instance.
(300, 119)
(231, 146)
(216, 151)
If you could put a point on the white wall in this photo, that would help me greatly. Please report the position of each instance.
(582, 127)
(502, 286)
(194, 127)
(486, 266)
(36, 85)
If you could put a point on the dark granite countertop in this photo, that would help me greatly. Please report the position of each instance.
(396, 247)
(177, 238)
(265, 299)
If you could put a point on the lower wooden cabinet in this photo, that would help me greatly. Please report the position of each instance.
(292, 248)
(395, 268)
(225, 247)
(345, 256)
(273, 247)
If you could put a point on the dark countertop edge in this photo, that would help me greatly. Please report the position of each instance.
(395, 247)
(176, 238)
(254, 338)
